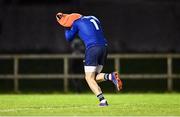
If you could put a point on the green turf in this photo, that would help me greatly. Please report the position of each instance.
(87, 104)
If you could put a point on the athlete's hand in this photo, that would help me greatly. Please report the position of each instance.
(59, 16)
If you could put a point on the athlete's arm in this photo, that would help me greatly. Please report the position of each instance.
(71, 33)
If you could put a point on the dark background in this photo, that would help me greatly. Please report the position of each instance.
(131, 26)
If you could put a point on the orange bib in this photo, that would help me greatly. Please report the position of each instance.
(68, 19)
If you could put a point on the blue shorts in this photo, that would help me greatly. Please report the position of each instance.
(95, 55)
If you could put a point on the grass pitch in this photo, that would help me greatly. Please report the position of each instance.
(87, 104)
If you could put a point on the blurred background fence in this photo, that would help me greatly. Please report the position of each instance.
(65, 67)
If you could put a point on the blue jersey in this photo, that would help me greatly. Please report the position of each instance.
(88, 29)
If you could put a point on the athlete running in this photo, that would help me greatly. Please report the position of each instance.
(89, 29)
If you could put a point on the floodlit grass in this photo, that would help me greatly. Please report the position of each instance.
(87, 104)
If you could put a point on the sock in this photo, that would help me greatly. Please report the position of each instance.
(100, 97)
(106, 76)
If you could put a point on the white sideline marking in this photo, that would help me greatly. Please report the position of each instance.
(34, 108)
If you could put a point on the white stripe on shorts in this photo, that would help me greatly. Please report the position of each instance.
(90, 68)
(97, 69)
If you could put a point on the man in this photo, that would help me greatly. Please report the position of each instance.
(89, 29)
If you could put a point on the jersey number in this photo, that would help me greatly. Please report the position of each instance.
(95, 24)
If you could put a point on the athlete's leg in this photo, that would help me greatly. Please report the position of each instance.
(90, 74)
(92, 56)
(92, 83)
(100, 77)
(114, 77)
(103, 77)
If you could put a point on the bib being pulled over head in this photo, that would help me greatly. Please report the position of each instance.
(67, 20)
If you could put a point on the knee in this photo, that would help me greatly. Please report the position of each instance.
(89, 78)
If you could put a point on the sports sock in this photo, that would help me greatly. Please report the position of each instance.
(107, 76)
(100, 97)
